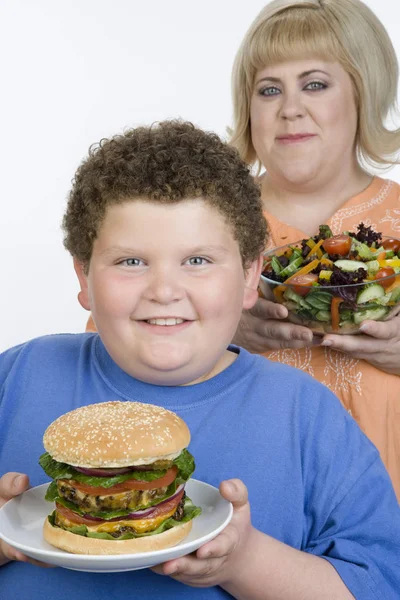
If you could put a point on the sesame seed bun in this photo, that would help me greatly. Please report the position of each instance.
(116, 434)
(78, 544)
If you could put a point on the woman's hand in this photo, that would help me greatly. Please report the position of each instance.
(11, 485)
(261, 329)
(379, 345)
(214, 563)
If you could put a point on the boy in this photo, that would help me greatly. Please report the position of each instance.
(165, 226)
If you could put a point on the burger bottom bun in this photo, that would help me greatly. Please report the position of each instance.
(78, 544)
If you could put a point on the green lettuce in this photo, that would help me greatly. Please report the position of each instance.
(190, 511)
(57, 470)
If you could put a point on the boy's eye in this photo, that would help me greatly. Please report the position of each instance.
(270, 90)
(131, 262)
(197, 260)
(315, 86)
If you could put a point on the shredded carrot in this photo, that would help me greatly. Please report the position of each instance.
(335, 312)
(382, 256)
(304, 270)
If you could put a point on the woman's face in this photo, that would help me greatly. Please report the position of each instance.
(303, 120)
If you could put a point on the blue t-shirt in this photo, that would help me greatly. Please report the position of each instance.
(315, 482)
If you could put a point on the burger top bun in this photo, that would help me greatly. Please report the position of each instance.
(116, 434)
(77, 544)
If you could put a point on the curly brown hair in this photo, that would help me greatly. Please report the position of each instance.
(167, 162)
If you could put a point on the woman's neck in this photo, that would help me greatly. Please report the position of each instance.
(308, 205)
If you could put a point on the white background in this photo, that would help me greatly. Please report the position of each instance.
(75, 71)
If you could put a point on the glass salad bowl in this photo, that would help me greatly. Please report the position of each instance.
(331, 284)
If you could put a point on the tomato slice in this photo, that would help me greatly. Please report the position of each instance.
(166, 507)
(391, 244)
(130, 484)
(386, 272)
(338, 244)
(74, 517)
(301, 283)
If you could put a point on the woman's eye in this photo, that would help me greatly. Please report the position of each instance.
(197, 260)
(131, 262)
(315, 85)
(270, 91)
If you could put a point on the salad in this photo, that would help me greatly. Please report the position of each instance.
(336, 280)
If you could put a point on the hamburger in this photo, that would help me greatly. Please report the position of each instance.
(119, 471)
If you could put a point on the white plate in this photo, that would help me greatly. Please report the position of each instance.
(21, 524)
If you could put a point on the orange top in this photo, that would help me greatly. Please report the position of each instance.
(371, 396)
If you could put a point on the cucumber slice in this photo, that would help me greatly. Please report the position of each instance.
(323, 315)
(370, 313)
(292, 267)
(370, 292)
(276, 265)
(395, 295)
(350, 265)
(291, 295)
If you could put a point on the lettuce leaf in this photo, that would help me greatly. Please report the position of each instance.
(190, 511)
(57, 470)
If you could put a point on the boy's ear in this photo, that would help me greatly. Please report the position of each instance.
(83, 296)
(252, 278)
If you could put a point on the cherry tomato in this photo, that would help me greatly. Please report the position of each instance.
(338, 244)
(130, 484)
(301, 283)
(386, 272)
(391, 244)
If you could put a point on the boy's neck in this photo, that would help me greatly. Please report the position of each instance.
(225, 361)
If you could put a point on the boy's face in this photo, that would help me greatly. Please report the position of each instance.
(166, 288)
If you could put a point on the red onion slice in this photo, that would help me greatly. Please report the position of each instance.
(139, 514)
(104, 472)
(110, 472)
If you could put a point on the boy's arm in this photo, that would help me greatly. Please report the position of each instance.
(271, 570)
(355, 557)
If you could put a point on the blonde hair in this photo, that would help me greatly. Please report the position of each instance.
(344, 31)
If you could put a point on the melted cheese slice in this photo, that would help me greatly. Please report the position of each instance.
(138, 525)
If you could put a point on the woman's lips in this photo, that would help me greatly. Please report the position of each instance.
(295, 139)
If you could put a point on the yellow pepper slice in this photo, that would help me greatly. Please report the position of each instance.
(317, 249)
(389, 262)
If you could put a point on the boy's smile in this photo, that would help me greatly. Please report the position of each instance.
(166, 288)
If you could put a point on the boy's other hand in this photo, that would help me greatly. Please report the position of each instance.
(11, 485)
(262, 329)
(216, 562)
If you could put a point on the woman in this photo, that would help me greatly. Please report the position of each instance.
(313, 83)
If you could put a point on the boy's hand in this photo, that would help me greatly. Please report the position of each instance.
(11, 485)
(214, 563)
